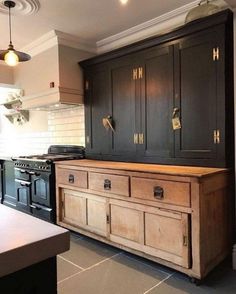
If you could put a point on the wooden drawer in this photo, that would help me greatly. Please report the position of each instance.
(109, 183)
(74, 178)
(165, 191)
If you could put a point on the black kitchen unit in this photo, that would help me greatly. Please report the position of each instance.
(167, 99)
(34, 178)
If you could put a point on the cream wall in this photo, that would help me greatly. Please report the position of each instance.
(6, 74)
(34, 76)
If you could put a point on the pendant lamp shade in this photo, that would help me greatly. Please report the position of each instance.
(10, 55)
(203, 9)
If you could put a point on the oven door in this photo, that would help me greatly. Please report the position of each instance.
(23, 195)
(22, 174)
(41, 188)
(43, 212)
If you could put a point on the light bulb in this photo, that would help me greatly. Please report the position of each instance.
(123, 2)
(11, 58)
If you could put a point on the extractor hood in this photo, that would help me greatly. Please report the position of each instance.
(55, 98)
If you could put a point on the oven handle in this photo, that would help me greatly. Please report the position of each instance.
(39, 207)
(34, 173)
(22, 171)
(23, 183)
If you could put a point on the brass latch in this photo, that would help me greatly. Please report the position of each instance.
(140, 138)
(216, 136)
(135, 74)
(135, 138)
(216, 53)
(185, 240)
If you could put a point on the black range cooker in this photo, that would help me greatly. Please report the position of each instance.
(35, 180)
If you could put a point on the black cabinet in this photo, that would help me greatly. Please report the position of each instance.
(186, 75)
(8, 178)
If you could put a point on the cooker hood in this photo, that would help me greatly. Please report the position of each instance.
(55, 98)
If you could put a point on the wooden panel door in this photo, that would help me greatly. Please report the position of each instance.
(157, 102)
(97, 107)
(72, 208)
(196, 96)
(125, 104)
(167, 236)
(126, 225)
(97, 214)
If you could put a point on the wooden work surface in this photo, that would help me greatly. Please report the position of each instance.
(140, 167)
(26, 240)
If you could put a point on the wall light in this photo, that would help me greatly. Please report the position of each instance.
(11, 56)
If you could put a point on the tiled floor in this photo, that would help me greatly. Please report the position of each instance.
(91, 267)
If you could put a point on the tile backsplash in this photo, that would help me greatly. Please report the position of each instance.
(65, 126)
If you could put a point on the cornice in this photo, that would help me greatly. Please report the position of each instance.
(54, 38)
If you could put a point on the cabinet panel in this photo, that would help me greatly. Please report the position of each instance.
(97, 107)
(74, 208)
(124, 103)
(157, 101)
(166, 236)
(196, 81)
(97, 215)
(126, 223)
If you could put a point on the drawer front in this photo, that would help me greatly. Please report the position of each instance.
(109, 183)
(72, 177)
(170, 192)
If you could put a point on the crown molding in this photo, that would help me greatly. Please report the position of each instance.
(155, 26)
(54, 38)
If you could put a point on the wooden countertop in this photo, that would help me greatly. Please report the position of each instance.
(142, 167)
(26, 240)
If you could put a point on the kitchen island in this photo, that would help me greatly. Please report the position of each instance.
(28, 250)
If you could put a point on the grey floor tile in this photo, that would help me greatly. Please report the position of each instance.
(221, 281)
(65, 269)
(87, 252)
(75, 236)
(118, 275)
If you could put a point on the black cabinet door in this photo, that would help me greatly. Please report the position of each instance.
(97, 107)
(157, 102)
(125, 105)
(196, 96)
(9, 191)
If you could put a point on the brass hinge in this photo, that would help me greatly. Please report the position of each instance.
(140, 138)
(140, 72)
(216, 136)
(136, 139)
(135, 74)
(87, 140)
(86, 85)
(216, 53)
(108, 219)
(185, 240)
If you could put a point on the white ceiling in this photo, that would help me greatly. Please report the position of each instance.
(92, 20)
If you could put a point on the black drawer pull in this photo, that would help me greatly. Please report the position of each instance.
(158, 192)
(107, 184)
(71, 179)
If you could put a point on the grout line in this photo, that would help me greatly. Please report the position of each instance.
(148, 265)
(71, 262)
(84, 270)
(158, 284)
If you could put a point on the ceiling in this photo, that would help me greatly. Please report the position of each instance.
(92, 20)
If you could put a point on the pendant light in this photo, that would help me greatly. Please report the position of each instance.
(203, 9)
(11, 56)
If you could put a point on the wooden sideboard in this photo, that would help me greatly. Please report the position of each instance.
(177, 216)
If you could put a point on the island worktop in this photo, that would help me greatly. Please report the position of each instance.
(26, 240)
